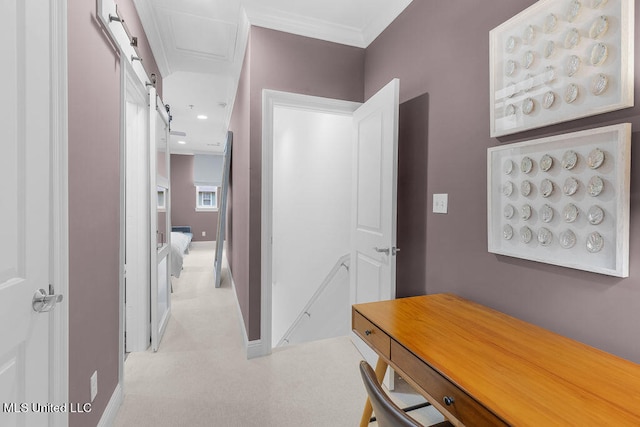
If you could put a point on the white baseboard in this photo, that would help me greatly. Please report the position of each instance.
(111, 411)
(255, 349)
(252, 348)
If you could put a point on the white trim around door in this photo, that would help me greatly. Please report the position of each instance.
(59, 251)
(270, 100)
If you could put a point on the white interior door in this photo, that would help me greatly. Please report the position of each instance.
(160, 219)
(25, 111)
(373, 205)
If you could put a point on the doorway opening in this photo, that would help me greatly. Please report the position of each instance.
(307, 172)
(372, 203)
(312, 171)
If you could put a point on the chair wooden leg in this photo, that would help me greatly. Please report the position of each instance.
(381, 369)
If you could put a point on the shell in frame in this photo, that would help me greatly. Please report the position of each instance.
(550, 23)
(599, 27)
(572, 65)
(571, 93)
(546, 213)
(573, 11)
(599, 54)
(570, 186)
(507, 188)
(545, 236)
(509, 211)
(570, 213)
(595, 215)
(595, 186)
(595, 159)
(572, 38)
(546, 188)
(546, 162)
(528, 105)
(511, 44)
(529, 34)
(569, 159)
(548, 99)
(549, 48)
(595, 242)
(507, 232)
(527, 59)
(599, 84)
(526, 164)
(525, 234)
(567, 239)
(508, 167)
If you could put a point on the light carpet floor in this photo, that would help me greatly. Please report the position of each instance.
(200, 376)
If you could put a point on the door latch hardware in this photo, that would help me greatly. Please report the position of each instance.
(386, 251)
(43, 302)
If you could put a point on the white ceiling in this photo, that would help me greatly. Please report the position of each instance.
(199, 47)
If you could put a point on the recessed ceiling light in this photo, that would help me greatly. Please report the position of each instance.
(182, 142)
(202, 117)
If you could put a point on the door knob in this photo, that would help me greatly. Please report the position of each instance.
(43, 302)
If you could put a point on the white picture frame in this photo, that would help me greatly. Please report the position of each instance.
(509, 166)
(538, 77)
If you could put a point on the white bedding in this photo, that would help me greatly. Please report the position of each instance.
(179, 247)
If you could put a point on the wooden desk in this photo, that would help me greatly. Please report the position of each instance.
(482, 367)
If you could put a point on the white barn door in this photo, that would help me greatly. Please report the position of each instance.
(160, 221)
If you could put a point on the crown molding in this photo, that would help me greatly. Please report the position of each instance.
(305, 26)
(150, 25)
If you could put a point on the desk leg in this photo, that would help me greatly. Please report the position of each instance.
(381, 369)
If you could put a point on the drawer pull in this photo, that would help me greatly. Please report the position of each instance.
(367, 332)
(448, 400)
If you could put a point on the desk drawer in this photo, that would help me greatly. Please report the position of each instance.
(464, 407)
(371, 334)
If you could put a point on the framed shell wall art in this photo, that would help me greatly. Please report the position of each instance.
(563, 200)
(560, 60)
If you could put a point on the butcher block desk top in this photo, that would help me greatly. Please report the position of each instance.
(498, 370)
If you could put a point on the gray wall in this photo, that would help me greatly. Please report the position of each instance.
(183, 200)
(442, 48)
(413, 126)
(290, 63)
(238, 192)
(94, 203)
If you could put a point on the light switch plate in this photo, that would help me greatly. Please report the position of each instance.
(440, 203)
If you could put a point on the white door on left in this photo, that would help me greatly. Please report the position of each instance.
(25, 120)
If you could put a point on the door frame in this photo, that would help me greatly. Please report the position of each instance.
(270, 100)
(59, 247)
(138, 329)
